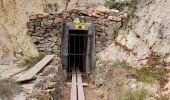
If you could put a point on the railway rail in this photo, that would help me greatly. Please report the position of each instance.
(77, 92)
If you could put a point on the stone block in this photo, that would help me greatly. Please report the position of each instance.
(46, 35)
(46, 22)
(52, 34)
(52, 45)
(98, 44)
(47, 44)
(51, 16)
(34, 39)
(108, 42)
(73, 16)
(58, 20)
(42, 42)
(59, 41)
(40, 16)
(114, 18)
(31, 29)
(109, 31)
(98, 49)
(103, 38)
(32, 17)
(41, 49)
(54, 39)
(98, 14)
(49, 49)
(65, 15)
(55, 47)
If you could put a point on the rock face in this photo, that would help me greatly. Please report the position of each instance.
(148, 35)
(14, 15)
(6, 50)
(45, 29)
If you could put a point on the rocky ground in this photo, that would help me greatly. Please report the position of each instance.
(47, 85)
(142, 39)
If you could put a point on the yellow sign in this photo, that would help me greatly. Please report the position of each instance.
(80, 26)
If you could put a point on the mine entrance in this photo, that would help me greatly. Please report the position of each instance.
(77, 49)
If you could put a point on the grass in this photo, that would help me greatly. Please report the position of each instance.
(148, 75)
(144, 74)
(124, 65)
(30, 62)
(136, 95)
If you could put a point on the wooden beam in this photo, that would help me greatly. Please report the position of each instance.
(80, 88)
(74, 88)
(34, 70)
(84, 84)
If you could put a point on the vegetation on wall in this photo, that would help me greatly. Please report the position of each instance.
(121, 5)
(31, 61)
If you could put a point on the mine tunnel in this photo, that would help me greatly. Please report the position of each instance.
(77, 49)
(78, 44)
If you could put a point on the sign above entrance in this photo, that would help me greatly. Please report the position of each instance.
(80, 26)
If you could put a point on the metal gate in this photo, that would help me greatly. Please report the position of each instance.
(78, 46)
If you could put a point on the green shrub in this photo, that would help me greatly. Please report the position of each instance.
(148, 75)
(122, 5)
(30, 62)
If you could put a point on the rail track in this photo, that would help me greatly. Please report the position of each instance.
(77, 92)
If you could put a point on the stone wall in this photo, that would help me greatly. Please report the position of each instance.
(45, 29)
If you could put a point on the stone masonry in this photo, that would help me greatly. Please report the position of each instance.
(45, 29)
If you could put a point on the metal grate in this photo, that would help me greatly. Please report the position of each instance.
(77, 50)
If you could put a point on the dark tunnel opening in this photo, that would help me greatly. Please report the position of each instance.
(77, 50)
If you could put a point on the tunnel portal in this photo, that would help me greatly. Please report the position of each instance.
(78, 47)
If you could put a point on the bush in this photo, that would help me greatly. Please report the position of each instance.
(30, 62)
(121, 5)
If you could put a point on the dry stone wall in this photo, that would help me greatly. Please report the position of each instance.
(45, 29)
